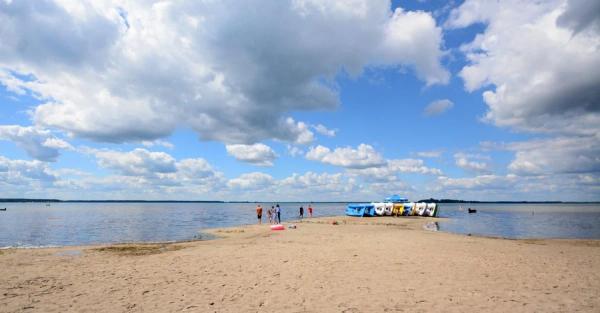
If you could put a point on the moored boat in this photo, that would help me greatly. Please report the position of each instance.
(398, 209)
(379, 208)
(387, 210)
(393, 205)
(409, 209)
(431, 210)
(360, 209)
(369, 210)
(421, 208)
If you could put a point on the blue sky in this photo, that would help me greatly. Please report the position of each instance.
(300, 100)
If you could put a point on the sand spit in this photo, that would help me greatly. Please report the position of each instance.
(359, 265)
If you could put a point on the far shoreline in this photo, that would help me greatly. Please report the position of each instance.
(442, 201)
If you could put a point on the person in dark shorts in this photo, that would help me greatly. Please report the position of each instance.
(301, 212)
(278, 211)
(259, 213)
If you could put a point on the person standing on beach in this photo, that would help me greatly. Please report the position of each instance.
(270, 215)
(273, 214)
(259, 213)
(310, 209)
(278, 211)
(301, 212)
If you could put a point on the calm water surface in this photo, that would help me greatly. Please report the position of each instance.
(565, 220)
(64, 224)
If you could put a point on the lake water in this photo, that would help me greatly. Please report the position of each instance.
(66, 224)
(564, 220)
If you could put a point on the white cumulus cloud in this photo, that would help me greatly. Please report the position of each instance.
(158, 142)
(438, 107)
(136, 70)
(26, 173)
(538, 76)
(394, 167)
(536, 63)
(294, 150)
(321, 129)
(556, 156)
(364, 156)
(257, 154)
(430, 154)
(138, 162)
(40, 144)
(472, 163)
(251, 181)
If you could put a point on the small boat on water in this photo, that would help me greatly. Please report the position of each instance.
(393, 205)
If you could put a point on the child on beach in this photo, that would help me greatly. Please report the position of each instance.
(274, 214)
(270, 215)
(310, 209)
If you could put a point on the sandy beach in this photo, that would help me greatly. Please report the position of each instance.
(359, 265)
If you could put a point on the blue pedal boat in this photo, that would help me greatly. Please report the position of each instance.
(360, 209)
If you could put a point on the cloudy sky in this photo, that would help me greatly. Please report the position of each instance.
(300, 99)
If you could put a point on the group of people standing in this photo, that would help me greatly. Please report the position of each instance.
(274, 213)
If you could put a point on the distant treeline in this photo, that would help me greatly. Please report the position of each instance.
(28, 200)
(218, 201)
(469, 201)
(106, 201)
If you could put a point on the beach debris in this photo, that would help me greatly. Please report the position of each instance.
(431, 226)
(292, 226)
(334, 223)
(277, 227)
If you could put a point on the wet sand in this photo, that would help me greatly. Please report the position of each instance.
(360, 265)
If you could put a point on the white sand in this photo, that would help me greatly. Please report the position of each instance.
(361, 265)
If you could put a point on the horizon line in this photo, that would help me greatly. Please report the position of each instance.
(442, 200)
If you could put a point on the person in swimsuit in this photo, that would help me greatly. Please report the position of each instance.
(273, 214)
(270, 215)
(259, 213)
(310, 209)
(301, 212)
(278, 211)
